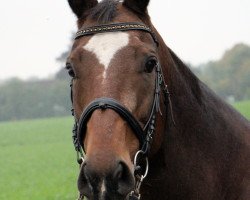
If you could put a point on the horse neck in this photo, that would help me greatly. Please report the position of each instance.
(184, 86)
(207, 130)
(195, 106)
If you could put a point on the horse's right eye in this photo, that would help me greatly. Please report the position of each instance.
(70, 70)
(150, 64)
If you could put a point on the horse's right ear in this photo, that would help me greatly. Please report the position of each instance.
(138, 6)
(80, 6)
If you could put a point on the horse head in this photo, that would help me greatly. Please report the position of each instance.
(114, 64)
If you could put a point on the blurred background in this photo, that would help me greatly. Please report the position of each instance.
(37, 159)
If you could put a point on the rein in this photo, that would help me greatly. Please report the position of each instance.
(145, 135)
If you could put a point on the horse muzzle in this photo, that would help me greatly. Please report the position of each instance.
(110, 181)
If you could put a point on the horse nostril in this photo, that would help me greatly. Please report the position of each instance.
(115, 181)
(118, 172)
(124, 179)
(82, 183)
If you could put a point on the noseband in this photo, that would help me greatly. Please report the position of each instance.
(145, 134)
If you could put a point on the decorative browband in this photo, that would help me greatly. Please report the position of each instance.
(113, 28)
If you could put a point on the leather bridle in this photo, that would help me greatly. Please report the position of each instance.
(145, 134)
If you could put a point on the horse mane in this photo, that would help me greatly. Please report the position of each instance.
(105, 11)
(190, 78)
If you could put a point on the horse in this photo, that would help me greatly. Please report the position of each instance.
(149, 128)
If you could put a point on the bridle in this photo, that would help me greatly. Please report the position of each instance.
(145, 134)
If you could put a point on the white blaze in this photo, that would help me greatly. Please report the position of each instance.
(103, 189)
(106, 45)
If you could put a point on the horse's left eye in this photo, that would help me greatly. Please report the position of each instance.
(150, 65)
(70, 70)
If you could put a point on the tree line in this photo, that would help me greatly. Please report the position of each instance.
(229, 77)
(34, 99)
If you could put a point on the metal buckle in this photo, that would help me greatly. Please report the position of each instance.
(80, 160)
(136, 163)
(135, 194)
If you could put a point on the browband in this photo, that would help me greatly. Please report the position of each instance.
(114, 27)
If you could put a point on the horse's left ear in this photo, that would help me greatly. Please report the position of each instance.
(139, 6)
(80, 6)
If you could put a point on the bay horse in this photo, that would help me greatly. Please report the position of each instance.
(149, 128)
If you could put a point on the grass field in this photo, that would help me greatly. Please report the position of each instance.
(244, 108)
(37, 159)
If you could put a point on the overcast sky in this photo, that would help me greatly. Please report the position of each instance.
(34, 33)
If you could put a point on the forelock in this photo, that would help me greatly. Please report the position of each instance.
(105, 11)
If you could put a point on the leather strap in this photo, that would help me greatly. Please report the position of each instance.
(108, 103)
(114, 27)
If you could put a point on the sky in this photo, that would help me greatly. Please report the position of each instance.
(34, 33)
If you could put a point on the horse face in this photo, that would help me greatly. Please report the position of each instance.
(118, 65)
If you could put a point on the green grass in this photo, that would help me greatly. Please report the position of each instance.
(243, 107)
(37, 160)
